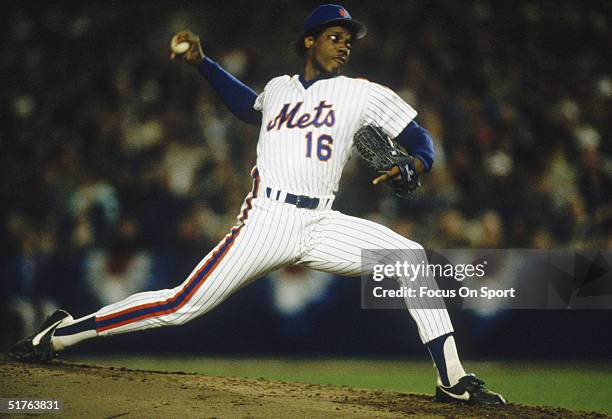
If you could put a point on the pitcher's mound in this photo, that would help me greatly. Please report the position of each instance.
(89, 391)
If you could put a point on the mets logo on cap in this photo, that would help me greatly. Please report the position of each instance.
(333, 14)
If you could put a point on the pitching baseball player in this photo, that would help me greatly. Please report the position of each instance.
(307, 125)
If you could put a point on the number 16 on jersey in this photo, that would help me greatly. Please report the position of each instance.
(324, 149)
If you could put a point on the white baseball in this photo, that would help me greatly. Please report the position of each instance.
(181, 47)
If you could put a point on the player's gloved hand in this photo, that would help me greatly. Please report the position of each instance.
(404, 177)
(194, 54)
(395, 175)
(381, 153)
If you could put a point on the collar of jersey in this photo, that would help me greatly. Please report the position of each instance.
(307, 84)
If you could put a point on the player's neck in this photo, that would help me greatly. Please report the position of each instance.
(312, 72)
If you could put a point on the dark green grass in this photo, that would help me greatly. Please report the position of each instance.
(578, 386)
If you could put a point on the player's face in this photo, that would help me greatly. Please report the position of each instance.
(330, 51)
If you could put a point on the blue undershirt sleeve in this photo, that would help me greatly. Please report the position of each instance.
(237, 96)
(417, 141)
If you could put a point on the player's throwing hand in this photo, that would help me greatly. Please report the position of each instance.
(187, 45)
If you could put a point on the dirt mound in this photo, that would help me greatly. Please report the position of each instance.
(89, 391)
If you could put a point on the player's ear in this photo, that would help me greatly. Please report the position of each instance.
(309, 41)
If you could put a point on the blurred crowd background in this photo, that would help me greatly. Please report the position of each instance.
(121, 168)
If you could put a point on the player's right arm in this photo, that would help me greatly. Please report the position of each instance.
(237, 96)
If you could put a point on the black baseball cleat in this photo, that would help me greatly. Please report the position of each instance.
(469, 390)
(37, 347)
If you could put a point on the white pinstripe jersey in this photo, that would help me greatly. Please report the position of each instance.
(306, 134)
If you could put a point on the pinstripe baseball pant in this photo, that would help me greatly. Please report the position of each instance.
(270, 234)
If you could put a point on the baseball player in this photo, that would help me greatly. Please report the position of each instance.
(307, 125)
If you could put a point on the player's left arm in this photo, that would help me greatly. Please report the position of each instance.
(418, 143)
(396, 117)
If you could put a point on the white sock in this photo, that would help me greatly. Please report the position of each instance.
(454, 369)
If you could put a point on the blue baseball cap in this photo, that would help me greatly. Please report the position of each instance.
(331, 15)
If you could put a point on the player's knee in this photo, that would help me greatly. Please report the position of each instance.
(414, 245)
(415, 253)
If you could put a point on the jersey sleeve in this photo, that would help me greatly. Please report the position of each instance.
(387, 110)
(261, 98)
(259, 101)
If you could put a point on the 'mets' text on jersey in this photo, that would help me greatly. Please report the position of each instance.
(307, 134)
(288, 114)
